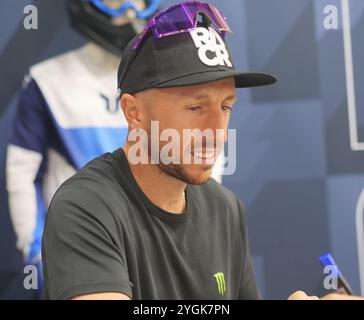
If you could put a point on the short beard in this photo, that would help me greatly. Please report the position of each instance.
(176, 171)
(179, 172)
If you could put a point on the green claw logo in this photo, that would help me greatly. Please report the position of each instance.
(220, 281)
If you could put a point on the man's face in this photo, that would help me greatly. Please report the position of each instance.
(205, 106)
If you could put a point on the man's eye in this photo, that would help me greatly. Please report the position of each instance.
(226, 108)
(196, 108)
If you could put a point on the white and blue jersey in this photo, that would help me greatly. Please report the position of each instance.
(66, 116)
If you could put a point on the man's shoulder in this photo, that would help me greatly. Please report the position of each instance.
(94, 192)
(99, 177)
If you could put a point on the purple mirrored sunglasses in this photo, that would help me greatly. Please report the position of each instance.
(182, 17)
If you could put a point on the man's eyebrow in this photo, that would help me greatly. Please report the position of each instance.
(231, 97)
(206, 96)
(202, 97)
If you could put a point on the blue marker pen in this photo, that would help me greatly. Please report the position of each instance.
(343, 285)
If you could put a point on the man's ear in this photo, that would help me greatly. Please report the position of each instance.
(131, 110)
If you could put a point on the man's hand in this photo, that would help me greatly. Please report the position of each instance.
(337, 296)
(300, 295)
(103, 296)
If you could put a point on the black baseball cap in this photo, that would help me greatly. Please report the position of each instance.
(185, 59)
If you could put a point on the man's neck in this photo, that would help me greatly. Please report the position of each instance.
(164, 191)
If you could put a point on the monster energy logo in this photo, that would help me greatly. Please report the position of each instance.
(220, 280)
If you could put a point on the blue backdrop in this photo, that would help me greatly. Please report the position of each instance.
(296, 172)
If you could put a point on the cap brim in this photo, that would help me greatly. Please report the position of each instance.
(242, 79)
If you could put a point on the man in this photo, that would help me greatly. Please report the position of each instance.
(121, 229)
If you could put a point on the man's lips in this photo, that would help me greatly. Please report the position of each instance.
(204, 154)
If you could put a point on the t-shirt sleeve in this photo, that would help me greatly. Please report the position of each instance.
(248, 288)
(79, 251)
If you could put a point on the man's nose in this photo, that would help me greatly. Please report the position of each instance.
(218, 123)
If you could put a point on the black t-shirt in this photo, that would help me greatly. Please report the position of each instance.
(102, 234)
